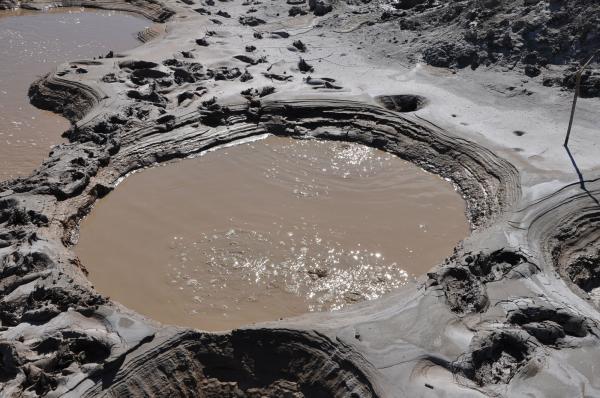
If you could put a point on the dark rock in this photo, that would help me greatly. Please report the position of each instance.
(202, 42)
(203, 11)
(246, 59)
(267, 90)
(246, 76)
(299, 45)
(250, 21)
(320, 7)
(407, 4)
(452, 54)
(532, 71)
(304, 66)
(149, 74)
(137, 64)
(294, 11)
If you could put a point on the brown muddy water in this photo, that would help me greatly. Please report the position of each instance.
(33, 44)
(266, 230)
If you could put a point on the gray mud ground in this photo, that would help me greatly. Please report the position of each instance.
(512, 312)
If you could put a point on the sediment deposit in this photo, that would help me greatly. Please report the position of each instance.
(511, 312)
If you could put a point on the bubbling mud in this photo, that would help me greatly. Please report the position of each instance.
(33, 44)
(266, 230)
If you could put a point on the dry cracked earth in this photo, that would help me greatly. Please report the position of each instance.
(477, 91)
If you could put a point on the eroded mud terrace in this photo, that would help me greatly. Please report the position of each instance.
(268, 230)
(34, 43)
(510, 312)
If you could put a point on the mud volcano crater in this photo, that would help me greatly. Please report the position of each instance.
(485, 181)
(402, 102)
(268, 229)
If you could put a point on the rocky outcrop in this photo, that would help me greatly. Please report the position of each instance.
(543, 39)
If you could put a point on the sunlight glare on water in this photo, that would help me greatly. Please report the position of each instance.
(268, 229)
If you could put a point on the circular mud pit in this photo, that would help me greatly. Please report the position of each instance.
(33, 43)
(266, 230)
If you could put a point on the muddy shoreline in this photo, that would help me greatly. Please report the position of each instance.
(34, 43)
(511, 312)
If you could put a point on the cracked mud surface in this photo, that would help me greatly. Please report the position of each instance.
(512, 312)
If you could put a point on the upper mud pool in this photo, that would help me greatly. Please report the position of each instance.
(33, 44)
(268, 229)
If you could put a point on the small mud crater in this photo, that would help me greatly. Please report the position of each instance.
(402, 103)
(584, 271)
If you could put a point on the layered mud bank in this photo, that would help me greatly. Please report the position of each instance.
(34, 43)
(268, 230)
(501, 316)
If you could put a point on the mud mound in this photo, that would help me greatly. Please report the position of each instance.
(497, 356)
(463, 279)
(548, 322)
(584, 270)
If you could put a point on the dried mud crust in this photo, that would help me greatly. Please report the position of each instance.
(60, 338)
(544, 39)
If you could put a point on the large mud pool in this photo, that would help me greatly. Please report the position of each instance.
(32, 44)
(268, 229)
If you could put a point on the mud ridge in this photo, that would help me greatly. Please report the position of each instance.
(151, 9)
(64, 97)
(245, 363)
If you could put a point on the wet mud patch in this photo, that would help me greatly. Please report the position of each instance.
(269, 229)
